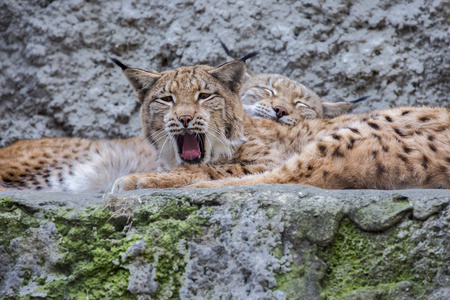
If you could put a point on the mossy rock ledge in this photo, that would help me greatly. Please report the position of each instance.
(257, 242)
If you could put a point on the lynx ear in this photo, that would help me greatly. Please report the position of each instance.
(230, 74)
(334, 109)
(142, 81)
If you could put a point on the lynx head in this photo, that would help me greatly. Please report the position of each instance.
(191, 114)
(284, 100)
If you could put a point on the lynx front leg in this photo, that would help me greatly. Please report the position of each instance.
(183, 175)
(174, 178)
(149, 181)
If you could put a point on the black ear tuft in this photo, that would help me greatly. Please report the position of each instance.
(359, 99)
(244, 58)
(117, 62)
(248, 56)
(227, 51)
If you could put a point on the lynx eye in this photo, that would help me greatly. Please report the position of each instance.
(267, 90)
(167, 99)
(203, 96)
(299, 104)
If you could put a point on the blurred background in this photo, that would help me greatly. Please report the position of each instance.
(56, 80)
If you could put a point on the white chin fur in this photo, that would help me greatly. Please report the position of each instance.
(217, 147)
(257, 111)
(250, 110)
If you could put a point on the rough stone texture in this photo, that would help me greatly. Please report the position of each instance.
(56, 80)
(260, 242)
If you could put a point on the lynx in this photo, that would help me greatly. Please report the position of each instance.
(216, 144)
(81, 165)
(73, 164)
(284, 100)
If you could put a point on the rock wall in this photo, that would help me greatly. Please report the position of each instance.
(56, 79)
(262, 242)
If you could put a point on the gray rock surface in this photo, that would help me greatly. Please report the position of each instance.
(56, 79)
(258, 242)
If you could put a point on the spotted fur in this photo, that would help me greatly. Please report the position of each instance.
(388, 149)
(73, 164)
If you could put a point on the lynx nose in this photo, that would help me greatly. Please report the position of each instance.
(185, 119)
(281, 111)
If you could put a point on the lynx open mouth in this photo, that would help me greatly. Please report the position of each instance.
(191, 147)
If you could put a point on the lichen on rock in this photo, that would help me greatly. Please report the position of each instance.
(261, 242)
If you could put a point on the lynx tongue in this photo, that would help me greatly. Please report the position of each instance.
(191, 147)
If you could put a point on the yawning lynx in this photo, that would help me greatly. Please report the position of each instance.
(208, 134)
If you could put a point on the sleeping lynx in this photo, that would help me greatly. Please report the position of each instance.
(277, 97)
(212, 140)
(286, 101)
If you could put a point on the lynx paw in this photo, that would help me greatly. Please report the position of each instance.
(202, 184)
(125, 183)
(133, 182)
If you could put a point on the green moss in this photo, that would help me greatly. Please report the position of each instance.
(95, 250)
(4, 201)
(91, 245)
(14, 221)
(358, 260)
(167, 223)
(271, 211)
(292, 282)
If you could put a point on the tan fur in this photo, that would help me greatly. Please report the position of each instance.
(73, 164)
(262, 94)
